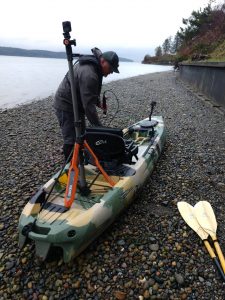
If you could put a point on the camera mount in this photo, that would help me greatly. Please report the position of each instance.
(67, 41)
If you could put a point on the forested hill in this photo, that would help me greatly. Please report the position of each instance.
(202, 37)
(9, 51)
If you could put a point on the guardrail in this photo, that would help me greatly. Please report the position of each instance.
(208, 78)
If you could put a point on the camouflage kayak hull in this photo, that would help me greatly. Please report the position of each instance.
(74, 229)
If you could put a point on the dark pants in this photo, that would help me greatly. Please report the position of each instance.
(66, 123)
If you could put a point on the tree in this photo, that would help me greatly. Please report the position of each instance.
(193, 24)
(166, 45)
(147, 57)
(176, 43)
(158, 51)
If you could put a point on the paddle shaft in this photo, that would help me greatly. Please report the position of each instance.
(214, 258)
(207, 219)
(220, 254)
(188, 214)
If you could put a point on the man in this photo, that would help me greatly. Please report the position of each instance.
(88, 73)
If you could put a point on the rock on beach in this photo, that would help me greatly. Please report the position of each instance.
(148, 252)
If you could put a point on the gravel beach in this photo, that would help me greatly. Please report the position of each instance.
(149, 252)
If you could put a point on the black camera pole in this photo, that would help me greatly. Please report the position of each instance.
(77, 120)
(77, 171)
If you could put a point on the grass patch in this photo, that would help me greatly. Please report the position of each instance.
(219, 53)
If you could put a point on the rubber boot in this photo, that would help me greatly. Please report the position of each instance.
(67, 149)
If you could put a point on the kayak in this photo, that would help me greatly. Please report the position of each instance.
(128, 156)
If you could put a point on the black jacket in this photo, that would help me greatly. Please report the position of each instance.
(88, 81)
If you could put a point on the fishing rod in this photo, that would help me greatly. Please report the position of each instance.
(104, 107)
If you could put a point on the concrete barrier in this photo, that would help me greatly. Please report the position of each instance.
(208, 78)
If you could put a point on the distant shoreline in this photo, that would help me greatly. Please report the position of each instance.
(10, 51)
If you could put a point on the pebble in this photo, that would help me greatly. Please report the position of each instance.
(221, 186)
(146, 294)
(9, 265)
(179, 278)
(77, 284)
(150, 239)
(58, 283)
(120, 295)
(174, 263)
(121, 243)
(154, 247)
(24, 260)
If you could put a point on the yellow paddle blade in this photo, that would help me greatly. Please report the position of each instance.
(206, 217)
(187, 213)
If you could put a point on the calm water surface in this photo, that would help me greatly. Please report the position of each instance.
(24, 79)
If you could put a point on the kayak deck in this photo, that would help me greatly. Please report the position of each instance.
(50, 224)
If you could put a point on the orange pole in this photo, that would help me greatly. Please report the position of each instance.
(106, 176)
(73, 174)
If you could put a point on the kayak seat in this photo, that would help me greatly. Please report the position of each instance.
(109, 146)
(116, 131)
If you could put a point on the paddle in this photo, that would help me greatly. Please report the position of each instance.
(188, 214)
(206, 218)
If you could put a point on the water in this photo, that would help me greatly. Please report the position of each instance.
(24, 79)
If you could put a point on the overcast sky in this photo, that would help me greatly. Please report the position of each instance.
(124, 25)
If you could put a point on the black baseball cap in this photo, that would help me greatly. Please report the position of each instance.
(112, 58)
